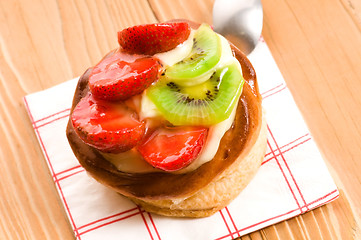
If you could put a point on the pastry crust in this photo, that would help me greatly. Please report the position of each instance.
(199, 193)
(218, 193)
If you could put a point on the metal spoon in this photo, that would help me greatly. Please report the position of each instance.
(240, 21)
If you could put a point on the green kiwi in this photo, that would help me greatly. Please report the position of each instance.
(204, 104)
(199, 64)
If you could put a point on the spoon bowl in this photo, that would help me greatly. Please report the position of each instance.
(240, 21)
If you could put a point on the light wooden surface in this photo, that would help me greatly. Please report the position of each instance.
(316, 44)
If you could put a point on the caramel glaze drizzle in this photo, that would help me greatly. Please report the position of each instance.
(235, 144)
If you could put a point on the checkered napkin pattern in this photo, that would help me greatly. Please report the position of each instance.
(293, 178)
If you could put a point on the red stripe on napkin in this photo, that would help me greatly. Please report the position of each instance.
(52, 171)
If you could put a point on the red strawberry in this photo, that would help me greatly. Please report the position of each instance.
(107, 126)
(153, 38)
(121, 76)
(173, 148)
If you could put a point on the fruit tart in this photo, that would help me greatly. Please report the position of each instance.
(171, 119)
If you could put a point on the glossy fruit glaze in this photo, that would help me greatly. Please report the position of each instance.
(123, 75)
(107, 126)
(173, 148)
(153, 38)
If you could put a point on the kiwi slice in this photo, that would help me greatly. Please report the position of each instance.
(204, 104)
(199, 64)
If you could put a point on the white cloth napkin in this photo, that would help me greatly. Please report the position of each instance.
(293, 178)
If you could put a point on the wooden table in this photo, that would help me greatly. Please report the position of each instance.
(316, 44)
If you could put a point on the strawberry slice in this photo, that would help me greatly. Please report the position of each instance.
(106, 126)
(173, 148)
(122, 76)
(153, 38)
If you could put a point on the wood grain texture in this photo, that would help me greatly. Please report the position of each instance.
(320, 61)
(316, 44)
